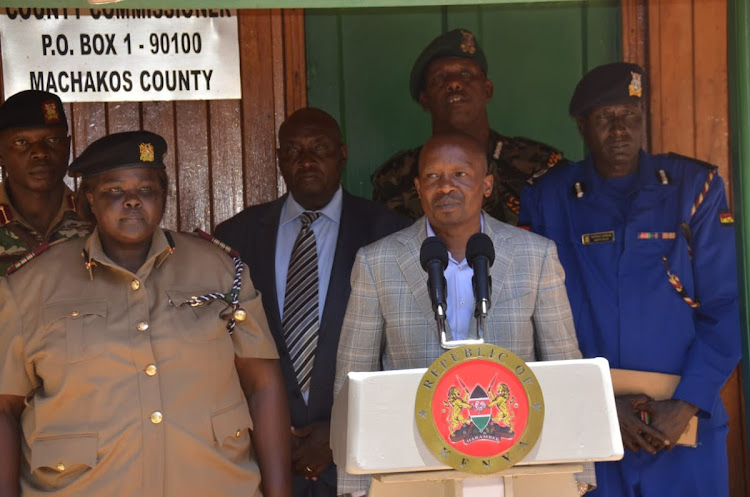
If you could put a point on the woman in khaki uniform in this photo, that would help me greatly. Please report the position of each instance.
(137, 362)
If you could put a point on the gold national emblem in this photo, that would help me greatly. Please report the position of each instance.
(468, 45)
(479, 409)
(49, 109)
(635, 89)
(147, 152)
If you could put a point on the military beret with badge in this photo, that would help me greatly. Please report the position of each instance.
(32, 109)
(120, 151)
(459, 43)
(615, 83)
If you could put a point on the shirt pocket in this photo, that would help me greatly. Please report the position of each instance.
(59, 461)
(231, 429)
(198, 322)
(84, 324)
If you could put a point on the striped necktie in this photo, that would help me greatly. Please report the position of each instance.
(300, 321)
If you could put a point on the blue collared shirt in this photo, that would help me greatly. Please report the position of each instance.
(460, 293)
(326, 229)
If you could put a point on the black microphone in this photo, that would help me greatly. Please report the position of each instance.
(434, 259)
(480, 254)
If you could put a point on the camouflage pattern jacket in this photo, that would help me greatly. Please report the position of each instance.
(18, 238)
(512, 161)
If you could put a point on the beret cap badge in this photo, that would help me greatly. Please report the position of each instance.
(635, 89)
(468, 45)
(49, 111)
(147, 152)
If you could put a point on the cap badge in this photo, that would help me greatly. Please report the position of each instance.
(51, 115)
(634, 88)
(468, 45)
(147, 152)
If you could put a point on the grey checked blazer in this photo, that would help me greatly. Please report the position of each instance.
(389, 322)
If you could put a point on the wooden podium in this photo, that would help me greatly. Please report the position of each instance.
(373, 431)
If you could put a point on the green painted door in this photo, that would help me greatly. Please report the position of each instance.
(358, 64)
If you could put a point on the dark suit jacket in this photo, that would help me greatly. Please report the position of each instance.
(253, 234)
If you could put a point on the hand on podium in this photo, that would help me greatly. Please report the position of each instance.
(311, 452)
(670, 417)
(636, 434)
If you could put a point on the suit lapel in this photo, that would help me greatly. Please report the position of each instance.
(266, 268)
(408, 261)
(503, 258)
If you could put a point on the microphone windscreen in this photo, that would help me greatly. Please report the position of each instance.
(480, 245)
(433, 248)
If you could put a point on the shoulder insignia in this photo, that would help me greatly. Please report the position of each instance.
(692, 159)
(223, 246)
(662, 177)
(555, 159)
(5, 215)
(27, 258)
(579, 189)
(726, 218)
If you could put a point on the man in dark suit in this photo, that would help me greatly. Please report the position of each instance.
(300, 250)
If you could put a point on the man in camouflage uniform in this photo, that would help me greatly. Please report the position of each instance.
(35, 205)
(449, 80)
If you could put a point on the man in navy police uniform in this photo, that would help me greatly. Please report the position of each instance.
(648, 248)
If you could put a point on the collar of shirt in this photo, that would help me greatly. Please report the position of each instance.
(431, 232)
(157, 253)
(291, 209)
(460, 291)
(66, 206)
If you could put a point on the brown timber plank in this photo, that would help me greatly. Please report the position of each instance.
(159, 117)
(226, 159)
(258, 119)
(295, 63)
(192, 149)
(711, 85)
(677, 116)
(123, 116)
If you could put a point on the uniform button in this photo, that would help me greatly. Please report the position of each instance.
(156, 417)
(151, 370)
(142, 326)
(74, 314)
(238, 434)
(135, 284)
(60, 467)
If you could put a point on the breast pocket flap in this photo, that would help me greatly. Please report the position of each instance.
(61, 453)
(74, 309)
(231, 422)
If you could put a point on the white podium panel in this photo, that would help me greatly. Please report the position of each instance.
(373, 429)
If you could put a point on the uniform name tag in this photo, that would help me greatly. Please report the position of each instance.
(601, 237)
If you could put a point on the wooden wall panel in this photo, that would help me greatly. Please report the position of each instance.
(671, 68)
(225, 134)
(159, 118)
(192, 153)
(258, 110)
(711, 83)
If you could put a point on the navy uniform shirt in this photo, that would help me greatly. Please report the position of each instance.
(616, 243)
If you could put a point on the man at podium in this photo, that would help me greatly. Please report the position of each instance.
(389, 322)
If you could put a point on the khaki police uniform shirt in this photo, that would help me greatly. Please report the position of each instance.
(131, 391)
(18, 237)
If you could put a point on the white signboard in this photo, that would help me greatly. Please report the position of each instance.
(118, 55)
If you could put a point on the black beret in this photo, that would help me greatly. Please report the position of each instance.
(614, 83)
(32, 109)
(120, 151)
(457, 43)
